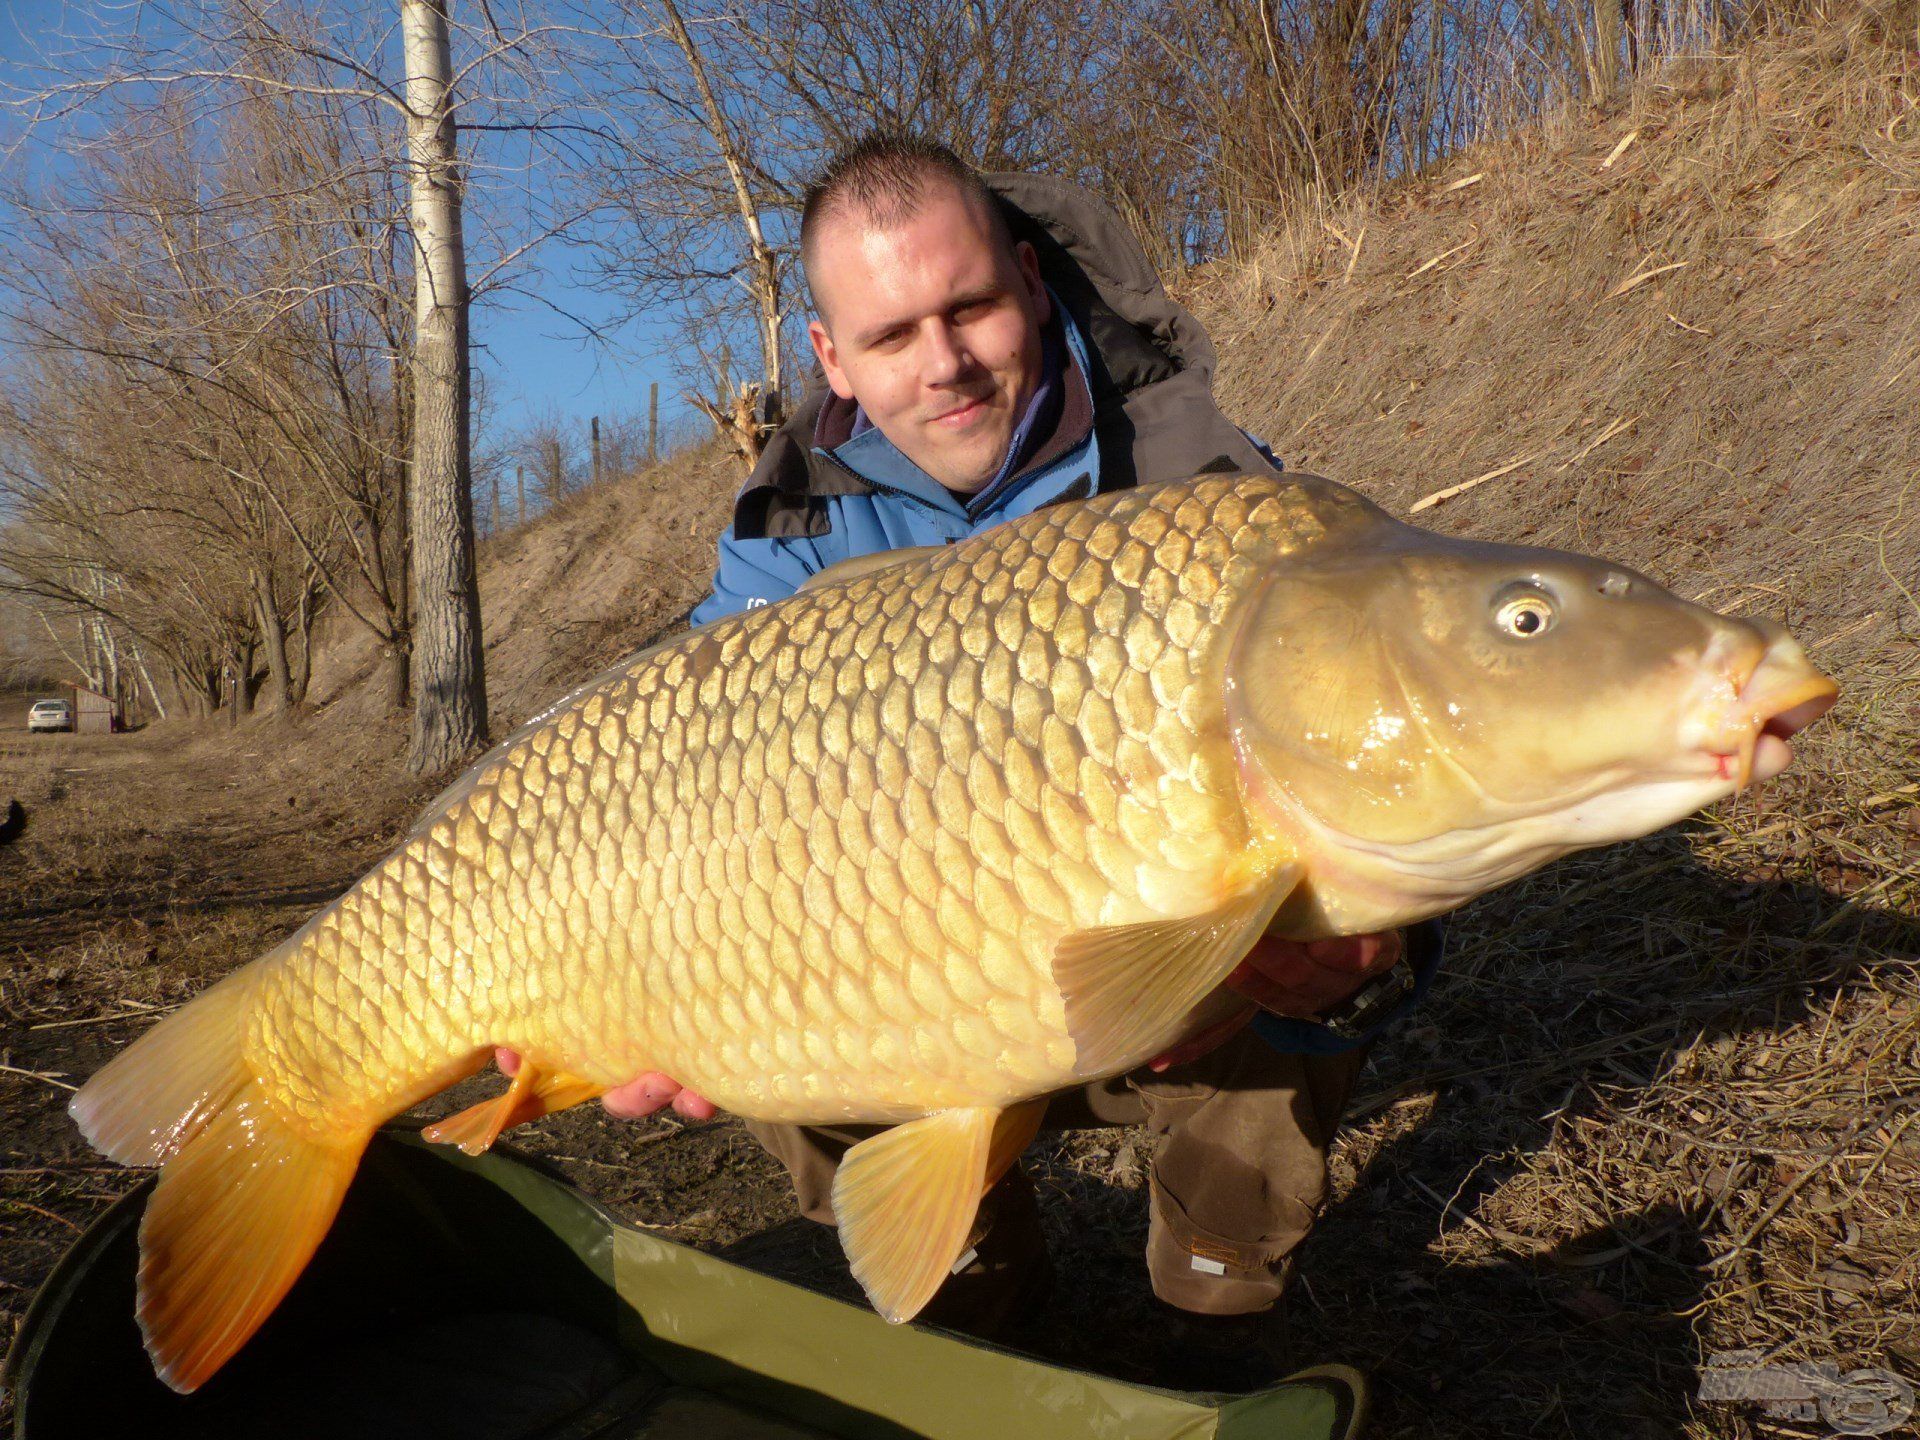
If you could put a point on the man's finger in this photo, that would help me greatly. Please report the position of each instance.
(651, 1092)
(1305, 992)
(694, 1107)
(1357, 954)
(640, 1097)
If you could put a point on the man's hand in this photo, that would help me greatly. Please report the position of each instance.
(637, 1098)
(1292, 978)
(1305, 980)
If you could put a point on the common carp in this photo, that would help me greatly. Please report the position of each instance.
(947, 831)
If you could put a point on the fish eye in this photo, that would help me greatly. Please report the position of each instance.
(1524, 612)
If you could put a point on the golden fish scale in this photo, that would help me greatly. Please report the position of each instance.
(813, 859)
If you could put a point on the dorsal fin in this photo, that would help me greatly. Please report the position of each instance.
(861, 565)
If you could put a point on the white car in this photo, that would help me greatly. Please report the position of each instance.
(50, 715)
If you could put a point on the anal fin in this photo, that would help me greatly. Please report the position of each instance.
(532, 1094)
(906, 1198)
(1127, 987)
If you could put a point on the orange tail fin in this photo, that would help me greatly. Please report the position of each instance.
(244, 1199)
(237, 1215)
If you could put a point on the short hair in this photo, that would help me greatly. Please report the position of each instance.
(885, 176)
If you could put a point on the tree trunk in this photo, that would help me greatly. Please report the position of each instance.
(146, 675)
(273, 635)
(399, 677)
(400, 671)
(211, 688)
(239, 683)
(303, 623)
(449, 682)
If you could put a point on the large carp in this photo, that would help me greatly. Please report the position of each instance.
(947, 831)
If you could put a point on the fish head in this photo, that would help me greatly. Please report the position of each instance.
(1431, 717)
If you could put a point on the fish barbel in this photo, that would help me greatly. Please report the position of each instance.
(947, 831)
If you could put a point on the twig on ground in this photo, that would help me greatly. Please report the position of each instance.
(1634, 282)
(1437, 497)
(144, 1012)
(1420, 270)
(42, 1076)
(45, 1214)
(1620, 149)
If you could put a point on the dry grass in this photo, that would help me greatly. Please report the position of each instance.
(568, 593)
(1667, 1101)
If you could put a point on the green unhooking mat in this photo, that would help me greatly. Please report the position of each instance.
(489, 1300)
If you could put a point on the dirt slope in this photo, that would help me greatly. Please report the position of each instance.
(1687, 332)
(1666, 1102)
(568, 593)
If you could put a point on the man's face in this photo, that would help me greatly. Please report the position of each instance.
(933, 326)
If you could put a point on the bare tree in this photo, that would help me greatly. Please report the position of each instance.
(449, 665)
(547, 445)
(289, 60)
(233, 270)
(763, 270)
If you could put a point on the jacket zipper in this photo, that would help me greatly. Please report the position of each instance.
(878, 488)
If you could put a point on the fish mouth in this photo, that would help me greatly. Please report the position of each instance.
(1769, 710)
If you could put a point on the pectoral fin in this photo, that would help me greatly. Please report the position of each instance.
(906, 1198)
(1127, 986)
(532, 1094)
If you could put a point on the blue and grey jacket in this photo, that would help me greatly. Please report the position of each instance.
(1127, 399)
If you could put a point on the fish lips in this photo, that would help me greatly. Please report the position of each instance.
(1769, 711)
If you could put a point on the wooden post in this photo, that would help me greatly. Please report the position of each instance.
(653, 423)
(596, 451)
(520, 486)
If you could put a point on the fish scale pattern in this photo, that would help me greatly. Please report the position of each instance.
(814, 860)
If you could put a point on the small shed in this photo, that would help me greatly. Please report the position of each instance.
(94, 713)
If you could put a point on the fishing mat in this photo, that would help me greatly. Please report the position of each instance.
(487, 1299)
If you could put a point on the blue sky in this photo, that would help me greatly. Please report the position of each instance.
(533, 358)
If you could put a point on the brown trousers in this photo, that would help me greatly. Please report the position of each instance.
(1238, 1176)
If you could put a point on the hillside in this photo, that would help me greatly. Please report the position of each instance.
(1668, 1088)
(569, 592)
(1665, 1102)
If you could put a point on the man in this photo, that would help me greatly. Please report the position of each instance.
(990, 347)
